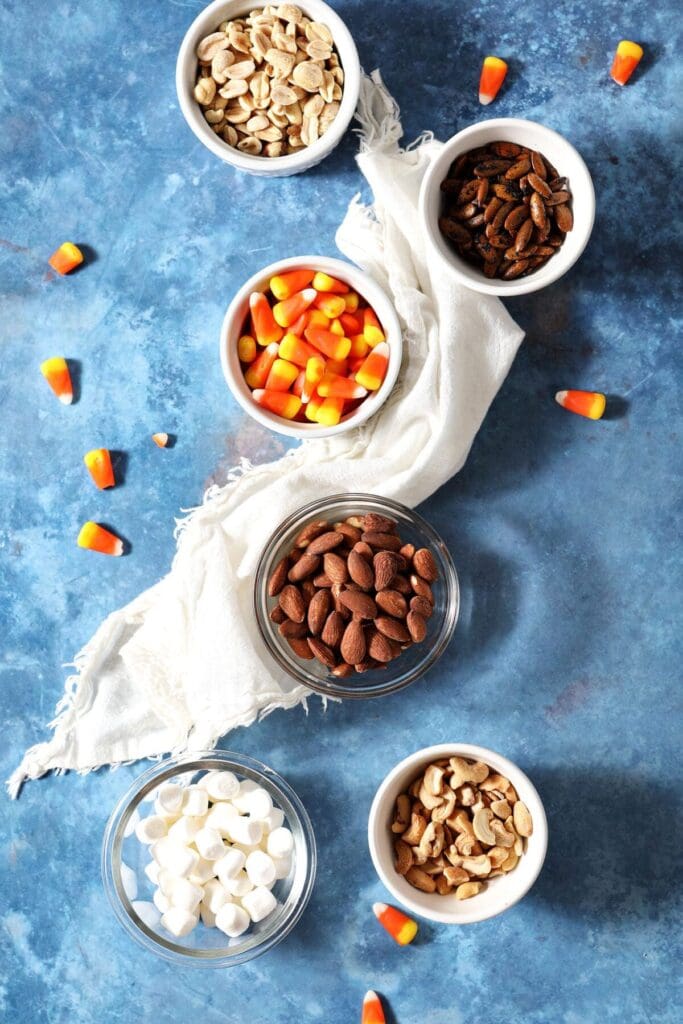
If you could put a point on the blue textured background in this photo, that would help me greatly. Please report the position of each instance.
(566, 532)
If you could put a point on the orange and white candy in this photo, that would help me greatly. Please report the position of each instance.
(493, 72)
(626, 59)
(331, 345)
(401, 927)
(289, 310)
(257, 374)
(161, 439)
(94, 537)
(590, 404)
(56, 373)
(66, 258)
(374, 368)
(282, 403)
(334, 386)
(98, 463)
(284, 285)
(372, 1012)
(324, 283)
(265, 327)
(282, 375)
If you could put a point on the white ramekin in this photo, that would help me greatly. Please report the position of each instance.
(236, 315)
(186, 70)
(568, 163)
(501, 892)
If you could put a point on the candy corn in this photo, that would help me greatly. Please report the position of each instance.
(98, 462)
(265, 328)
(282, 375)
(626, 60)
(161, 440)
(95, 538)
(330, 412)
(329, 344)
(279, 402)
(336, 328)
(372, 1009)
(585, 403)
(359, 346)
(315, 368)
(296, 350)
(289, 310)
(493, 74)
(372, 329)
(66, 258)
(374, 368)
(246, 349)
(352, 301)
(312, 406)
(401, 927)
(316, 318)
(300, 325)
(352, 324)
(284, 285)
(56, 373)
(257, 374)
(333, 386)
(325, 283)
(299, 384)
(331, 305)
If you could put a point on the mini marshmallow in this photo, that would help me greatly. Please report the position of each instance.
(240, 799)
(240, 885)
(176, 858)
(161, 901)
(195, 801)
(220, 817)
(204, 871)
(283, 865)
(275, 819)
(209, 843)
(147, 913)
(246, 831)
(220, 785)
(179, 922)
(186, 895)
(254, 801)
(148, 830)
(232, 920)
(259, 903)
(230, 865)
(260, 869)
(280, 842)
(165, 880)
(185, 829)
(215, 895)
(208, 917)
(152, 872)
(169, 799)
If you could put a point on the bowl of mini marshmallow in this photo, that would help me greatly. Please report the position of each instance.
(209, 859)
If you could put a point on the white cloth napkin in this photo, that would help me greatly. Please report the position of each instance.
(182, 664)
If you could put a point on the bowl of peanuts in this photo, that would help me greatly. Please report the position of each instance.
(457, 833)
(268, 88)
(508, 206)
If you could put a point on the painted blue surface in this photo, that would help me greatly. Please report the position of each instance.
(566, 533)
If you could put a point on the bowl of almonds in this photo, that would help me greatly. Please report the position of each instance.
(356, 596)
(457, 833)
(508, 205)
(268, 88)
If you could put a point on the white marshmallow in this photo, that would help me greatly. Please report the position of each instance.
(208, 917)
(275, 819)
(246, 831)
(169, 799)
(220, 785)
(176, 858)
(280, 842)
(186, 895)
(283, 865)
(147, 913)
(241, 798)
(259, 903)
(195, 802)
(260, 868)
(232, 920)
(220, 816)
(165, 880)
(148, 830)
(240, 885)
(152, 872)
(161, 901)
(209, 843)
(179, 922)
(204, 871)
(185, 829)
(254, 801)
(230, 865)
(215, 895)
(129, 881)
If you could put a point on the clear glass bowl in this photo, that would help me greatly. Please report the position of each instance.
(413, 662)
(130, 891)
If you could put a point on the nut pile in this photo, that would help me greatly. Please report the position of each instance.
(271, 83)
(352, 594)
(506, 209)
(458, 824)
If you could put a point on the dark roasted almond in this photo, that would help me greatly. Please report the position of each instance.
(468, 191)
(380, 539)
(335, 567)
(538, 165)
(278, 577)
(310, 532)
(325, 542)
(557, 198)
(333, 630)
(519, 168)
(361, 572)
(501, 216)
(491, 168)
(455, 231)
(306, 566)
(318, 610)
(392, 628)
(417, 626)
(358, 603)
(482, 191)
(558, 184)
(537, 210)
(539, 185)
(466, 211)
(392, 602)
(516, 218)
(373, 522)
(322, 652)
(292, 603)
(508, 191)
(492, 208)
(523, 235)
(425, 565)
(506, 149)
(515, 269)
(352, 646)
(563, 218)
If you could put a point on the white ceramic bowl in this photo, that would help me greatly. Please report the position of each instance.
(501, 892)
(237, 313)
(568, 163)
(186, 70)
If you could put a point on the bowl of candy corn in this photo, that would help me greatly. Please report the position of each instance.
(311, 346)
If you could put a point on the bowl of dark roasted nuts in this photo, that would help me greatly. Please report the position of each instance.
(356, 596)
(457, 833)
(508, 205)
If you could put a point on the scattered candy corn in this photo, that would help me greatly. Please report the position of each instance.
(493, 74)
(315, 336)
(98, 462)
(626, 59)
(95, 538)
(161, 440)
(372, 1009)
(585, 403)
(401, 927)
(66, 258)
(56, 373)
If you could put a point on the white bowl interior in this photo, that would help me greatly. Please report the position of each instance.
(186, 69)
(501, 892)
(238, 311)
(568, 163)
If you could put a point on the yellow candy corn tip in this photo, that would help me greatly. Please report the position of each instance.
(495, 62)
(626, 48)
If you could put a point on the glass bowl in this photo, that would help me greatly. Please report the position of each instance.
(124, 860)
(413, 662)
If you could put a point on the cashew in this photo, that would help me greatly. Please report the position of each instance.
(498, 855)
(480, 866)
(434, 865)
(501, 808)
(421, 880)
(511, 862)
(464, 844)
(503, 837)
(494, 782)
(461, 823)
(453, 856)
(432, 839)
(401, 813)
(522, 819)
(414, 834)
(430, 800)
(466, 796)
(404, 857)
(455, 876)
(467, 889)
(443, 886)
(446, 808)
(481, 824)
(433, 779)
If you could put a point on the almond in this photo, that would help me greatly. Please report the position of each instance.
(278, 577)
(308, 591)
(292, 603)
(422, 606)
(386, 566)
(393, 603)
(417, 626)
(379, 647)
(375, 523)
(360, 571)
(358, 603)
(421, 588)
(300, 647)
(333, 630)
(306, 566)
(425, 566)
(401, 584)
(335, 567)
(363, 549)
(277, 615)
(325, 542)
(408, 550)
(377, 539)
(318, 610)
(321, 580)
(310, 532)
(351, 533)
(353, 643)
(392, 628)
(343, 670)
(322, 652)
(289, 629)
